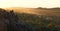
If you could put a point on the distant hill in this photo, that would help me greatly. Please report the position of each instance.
(1, 9)
(37, 11)
(56, 8)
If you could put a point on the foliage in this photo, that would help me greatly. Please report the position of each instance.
(29, 22)
(42, 22)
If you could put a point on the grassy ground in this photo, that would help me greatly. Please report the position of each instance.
(38, 19)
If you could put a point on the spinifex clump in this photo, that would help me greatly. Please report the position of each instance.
(9, 19)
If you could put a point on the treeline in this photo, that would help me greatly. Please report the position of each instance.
(29, 22)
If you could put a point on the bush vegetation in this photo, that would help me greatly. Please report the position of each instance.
(29, 22)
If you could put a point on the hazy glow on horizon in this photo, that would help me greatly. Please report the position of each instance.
(29, 3)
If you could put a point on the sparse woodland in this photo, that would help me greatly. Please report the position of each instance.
(11, 21)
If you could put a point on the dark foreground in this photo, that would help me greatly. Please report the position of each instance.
(9, 21)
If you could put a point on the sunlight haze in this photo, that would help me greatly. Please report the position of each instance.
(29, 3)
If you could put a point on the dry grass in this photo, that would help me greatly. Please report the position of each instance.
(35, 11)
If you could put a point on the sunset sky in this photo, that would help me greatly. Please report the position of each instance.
(29, 3)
